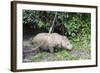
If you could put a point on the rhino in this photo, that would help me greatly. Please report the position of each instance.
(50, 41)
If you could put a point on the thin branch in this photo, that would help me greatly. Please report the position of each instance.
(53, 23)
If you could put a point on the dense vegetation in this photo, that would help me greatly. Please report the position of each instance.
(75, 26)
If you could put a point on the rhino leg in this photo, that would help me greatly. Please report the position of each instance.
(51, 50)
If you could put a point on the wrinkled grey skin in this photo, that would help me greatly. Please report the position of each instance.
(50, 41)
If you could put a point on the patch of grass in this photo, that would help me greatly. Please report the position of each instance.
(58, 56)
(39, 56)
(65, 55)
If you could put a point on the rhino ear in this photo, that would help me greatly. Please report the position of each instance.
(65, 38)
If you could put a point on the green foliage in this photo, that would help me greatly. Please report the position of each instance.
(75, 26)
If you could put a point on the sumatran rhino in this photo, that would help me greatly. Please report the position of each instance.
(50, 41)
